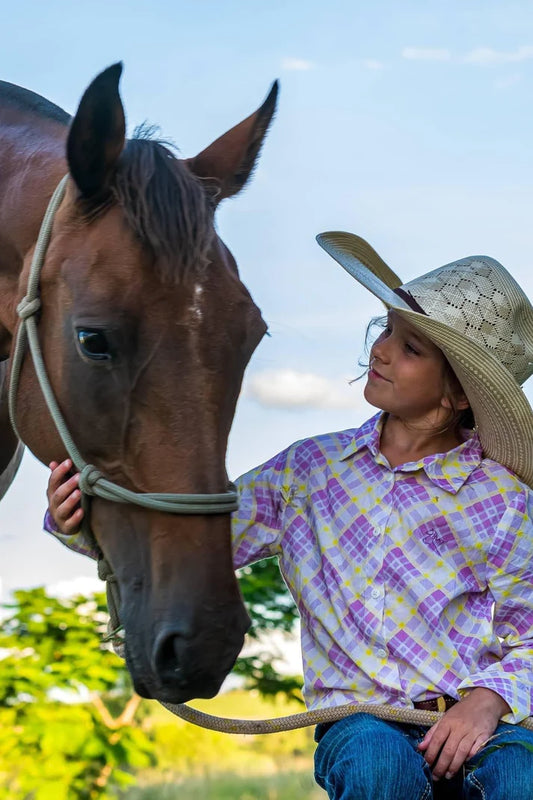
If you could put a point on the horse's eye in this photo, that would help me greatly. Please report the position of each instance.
(94, 345)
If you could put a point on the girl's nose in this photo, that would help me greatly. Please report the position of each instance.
(380, 349)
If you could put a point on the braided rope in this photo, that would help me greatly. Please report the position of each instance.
(413, 716)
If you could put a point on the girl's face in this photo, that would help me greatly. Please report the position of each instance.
(407, 376)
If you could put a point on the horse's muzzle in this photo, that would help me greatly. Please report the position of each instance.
(183, 667)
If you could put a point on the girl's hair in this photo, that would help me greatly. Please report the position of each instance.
(458, 417)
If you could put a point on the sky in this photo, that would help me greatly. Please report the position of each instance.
(408, 123)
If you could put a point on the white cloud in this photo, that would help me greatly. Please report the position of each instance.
(296, 64)
(486, 56)
(426, 54)
(372, 63)
(289, 389)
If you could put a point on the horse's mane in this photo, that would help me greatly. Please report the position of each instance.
(166, 206)
(26, 100)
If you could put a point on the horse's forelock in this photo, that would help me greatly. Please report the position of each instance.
(165, 205)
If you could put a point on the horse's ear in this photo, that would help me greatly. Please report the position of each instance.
(230, 159)
(97, 133)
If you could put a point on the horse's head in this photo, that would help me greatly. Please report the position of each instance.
(146, 330)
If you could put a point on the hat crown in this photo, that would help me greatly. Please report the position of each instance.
(480, 300)
(480, 318)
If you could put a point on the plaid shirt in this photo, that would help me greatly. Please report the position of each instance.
(411, 582)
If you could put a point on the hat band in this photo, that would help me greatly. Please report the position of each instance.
(410, 300)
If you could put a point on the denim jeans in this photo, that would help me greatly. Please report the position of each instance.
(365, 758)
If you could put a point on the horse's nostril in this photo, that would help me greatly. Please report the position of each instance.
(168, 655)
(186, 666)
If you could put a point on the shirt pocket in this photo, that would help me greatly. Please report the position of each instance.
(438, 537)
(454, 551)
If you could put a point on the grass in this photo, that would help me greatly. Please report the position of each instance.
(196, 764)
(281, 786)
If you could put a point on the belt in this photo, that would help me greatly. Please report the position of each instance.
(442, 703)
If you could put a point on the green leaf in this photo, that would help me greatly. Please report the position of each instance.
(60, 749)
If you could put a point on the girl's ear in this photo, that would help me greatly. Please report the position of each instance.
(461, 402)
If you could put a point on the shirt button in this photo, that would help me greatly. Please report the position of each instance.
(381, 653)
(375, 593)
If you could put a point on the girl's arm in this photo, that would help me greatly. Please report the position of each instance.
(510, 583)
(256, 525)
(503, 688)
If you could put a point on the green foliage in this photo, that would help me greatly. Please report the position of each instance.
(267, 598)
(54, 643)
(62, 750)
(57, 741)
(271, 608)
(194, 763)
(260, 673)
(184, 749)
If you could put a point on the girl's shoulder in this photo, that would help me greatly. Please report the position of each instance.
(316, 453)
(336, 443)
(495, 471)
(321, 447)
(499, 478)
(311, 454)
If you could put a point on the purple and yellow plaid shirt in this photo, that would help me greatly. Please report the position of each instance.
(411, 582)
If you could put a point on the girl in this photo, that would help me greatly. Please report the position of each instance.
(407, 543)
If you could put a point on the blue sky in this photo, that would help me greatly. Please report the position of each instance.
(408, 123)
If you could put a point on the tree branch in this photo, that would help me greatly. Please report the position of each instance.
(125, 718)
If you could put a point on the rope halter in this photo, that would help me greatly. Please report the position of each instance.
(92, 481)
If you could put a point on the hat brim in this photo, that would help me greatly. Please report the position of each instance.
(504, 418)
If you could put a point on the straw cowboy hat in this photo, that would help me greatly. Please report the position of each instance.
(480, 318)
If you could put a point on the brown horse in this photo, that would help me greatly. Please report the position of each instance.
(146, 330)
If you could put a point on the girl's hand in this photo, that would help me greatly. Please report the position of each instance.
(64, 497)
(462, 731)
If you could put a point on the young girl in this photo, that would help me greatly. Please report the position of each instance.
(407, 543)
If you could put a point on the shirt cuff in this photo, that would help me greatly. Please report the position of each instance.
(514, 692)
(75, 541)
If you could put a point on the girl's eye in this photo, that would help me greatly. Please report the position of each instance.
(411, 349)
(94, 345)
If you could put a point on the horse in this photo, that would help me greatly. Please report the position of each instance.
(146, 330)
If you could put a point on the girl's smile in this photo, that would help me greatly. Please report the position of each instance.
(373, 374)
(407, 376)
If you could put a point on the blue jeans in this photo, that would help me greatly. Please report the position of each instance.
(365, 758)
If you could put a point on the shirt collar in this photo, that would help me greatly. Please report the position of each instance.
(448, 471)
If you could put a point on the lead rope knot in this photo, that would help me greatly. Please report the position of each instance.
(27, 307)
(105, 571)
(89, 475)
